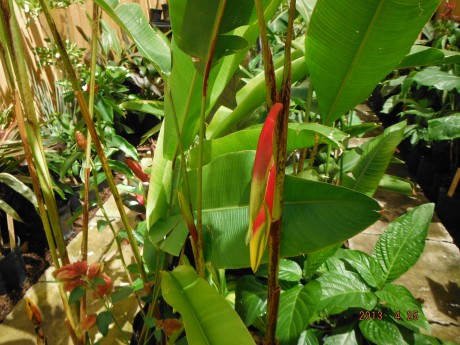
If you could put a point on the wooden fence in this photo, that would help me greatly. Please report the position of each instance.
(67, 22)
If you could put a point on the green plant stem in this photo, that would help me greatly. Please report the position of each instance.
(97, 143)
(274, 236)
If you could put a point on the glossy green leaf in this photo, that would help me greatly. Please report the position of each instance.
(18, 187)
(369, 166)
(316, 215)
(76, 294)
(428, 56)
(343, 291)
(381, 332)
(123, 145)
(208, 318)
(120, 293)
(308, 337)
(347, 61)
(289, 271)
(300, 135)
(444, 128)
(152, 44)
(250, 299)
(433, 76)
(365, 265)
(297, 305)
(402, 243)
(169, 234)
(399, 299)
(150, 107)
(72, 158)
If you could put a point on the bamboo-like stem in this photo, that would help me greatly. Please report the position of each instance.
(97, 143)
(274, 236)
(16, 52)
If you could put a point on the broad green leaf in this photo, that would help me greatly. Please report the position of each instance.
(397, 184)
(433, 76)
(381, 332)
(369, 166)
(444, 128)
(103, 321)
(120, 293)
(297, 305)
(288, 271)
(18, 187)
(76, 294)
(343, 336)
(109, 39)
(347, 61)
(208, 318)
(300, 135)
(428, 56)
(402, 243)
(152, 44)
(251, 299)
(400, 299)
(185, 83)
(423, 339)
(169, 234)
(366, 266)
(150, 107)
(341, 292)
(316, 215)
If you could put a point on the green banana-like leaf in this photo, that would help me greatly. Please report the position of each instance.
(402, 243)
(353, 44)
(250, 299)
(369, 162)
(315, 216)
(428, 56)
(300, 135)
(158, 197)
(186, 83)
(19, 187)
(208, 317)
(397, 184)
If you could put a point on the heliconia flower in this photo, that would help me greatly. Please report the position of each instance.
(263, 183)
(95, 270)
(106, 288)
(136, 168)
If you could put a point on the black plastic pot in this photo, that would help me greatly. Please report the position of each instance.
(165, 12)
(13, 272)
(155, 15)
(447, 209)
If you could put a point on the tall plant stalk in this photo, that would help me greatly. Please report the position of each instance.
(97, 143)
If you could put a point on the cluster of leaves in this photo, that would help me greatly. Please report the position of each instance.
(33, 8)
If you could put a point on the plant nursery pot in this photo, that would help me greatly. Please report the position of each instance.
(165, 12)
(65, 214)
(155, 15)
(447, 209)
(425, 174)
(13, 272)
